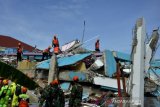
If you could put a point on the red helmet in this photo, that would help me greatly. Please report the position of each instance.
(75, 78)
(24, 89)
(54, 82)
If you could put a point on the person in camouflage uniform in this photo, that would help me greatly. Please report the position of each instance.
(57, 95)
(52, 95)
(76, 93)
(44, 96)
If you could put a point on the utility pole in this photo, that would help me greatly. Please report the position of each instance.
(83, 32)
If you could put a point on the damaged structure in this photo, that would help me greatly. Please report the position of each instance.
(106, 76)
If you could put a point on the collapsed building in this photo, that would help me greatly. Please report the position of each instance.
(105, 75)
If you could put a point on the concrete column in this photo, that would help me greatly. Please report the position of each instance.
(52, 69)
(137, 84)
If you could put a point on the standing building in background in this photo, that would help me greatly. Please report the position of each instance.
(8, 45)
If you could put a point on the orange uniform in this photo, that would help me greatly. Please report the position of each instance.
(55, 42)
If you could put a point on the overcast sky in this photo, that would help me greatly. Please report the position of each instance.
(36, 21)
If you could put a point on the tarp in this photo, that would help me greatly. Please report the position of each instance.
(64, 61)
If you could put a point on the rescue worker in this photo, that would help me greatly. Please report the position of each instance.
(76, 93)
(55, 42)
(97, 46)
(44, 99)
(52, 95)
(16, 92)
(58, 95)
(13, 88)
(46, 53)
(23, 98)
(5, 94)
(19, 52)
(56, 50)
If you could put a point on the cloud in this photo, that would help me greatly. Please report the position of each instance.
(68, 8)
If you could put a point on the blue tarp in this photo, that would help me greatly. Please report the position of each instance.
(64, 61)
(110, 66)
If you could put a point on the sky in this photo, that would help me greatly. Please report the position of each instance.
(36, 21)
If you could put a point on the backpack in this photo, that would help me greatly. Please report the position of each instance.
(18, 90)
(23, 103)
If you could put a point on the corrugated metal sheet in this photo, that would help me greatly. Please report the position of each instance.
(71, 59)
(110, 63)
(43, 65)
(122, 56)
(64, 61)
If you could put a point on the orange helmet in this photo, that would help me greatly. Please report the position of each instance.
(24, 89)
(75, 78)
(5, 81)
(54, 82)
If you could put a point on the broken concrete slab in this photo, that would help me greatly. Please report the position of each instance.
(68, 76)
(107, 83)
